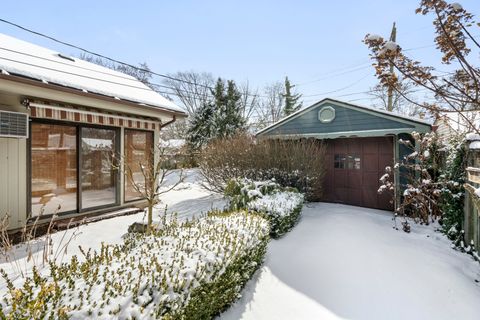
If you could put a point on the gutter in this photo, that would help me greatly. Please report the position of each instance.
(52, 86)
(168, 122)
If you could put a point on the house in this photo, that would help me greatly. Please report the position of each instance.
(61, 120)
(360, 143)
(452, 123)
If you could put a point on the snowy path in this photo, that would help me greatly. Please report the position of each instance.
(344, 262)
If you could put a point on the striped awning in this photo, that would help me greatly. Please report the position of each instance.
(41, 110)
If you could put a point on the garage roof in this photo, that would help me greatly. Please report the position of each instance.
(347, 120)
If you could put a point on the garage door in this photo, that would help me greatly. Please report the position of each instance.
(354, 167)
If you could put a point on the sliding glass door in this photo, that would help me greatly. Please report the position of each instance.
(72, 168)
(54, 168)
(98, 172)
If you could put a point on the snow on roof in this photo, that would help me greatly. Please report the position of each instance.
(22, 58)
(389, 113)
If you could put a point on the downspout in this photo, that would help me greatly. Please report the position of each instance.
(169, 122)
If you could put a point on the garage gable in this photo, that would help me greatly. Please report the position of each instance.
(332, 119)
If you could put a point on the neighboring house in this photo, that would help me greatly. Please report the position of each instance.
(360, 142)
(452, 123)
(61, 119)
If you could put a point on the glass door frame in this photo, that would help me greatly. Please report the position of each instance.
(78, 127)
(117, 151)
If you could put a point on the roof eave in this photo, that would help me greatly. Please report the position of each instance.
(39, 83)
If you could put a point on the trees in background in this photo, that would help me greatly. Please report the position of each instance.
(292, 102)
(400, 98)
(220, 117)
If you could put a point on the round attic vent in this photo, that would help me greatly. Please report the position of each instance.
(326, 114)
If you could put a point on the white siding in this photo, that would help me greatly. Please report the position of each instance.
(13, 186)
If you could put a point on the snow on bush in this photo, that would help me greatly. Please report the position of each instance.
(282, 209)
(240, 192)
(184, 270)
(281, 206)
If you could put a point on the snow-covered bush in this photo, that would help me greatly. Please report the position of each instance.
(189, 270)
(452, 179)
(281, 208)
(240, 192)
(298, 163)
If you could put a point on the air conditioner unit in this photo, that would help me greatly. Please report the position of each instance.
(13, 124)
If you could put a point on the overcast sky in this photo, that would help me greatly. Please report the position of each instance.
(318, 44)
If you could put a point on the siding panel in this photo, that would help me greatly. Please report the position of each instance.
(345, 120)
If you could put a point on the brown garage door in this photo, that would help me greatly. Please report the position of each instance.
(354, 167)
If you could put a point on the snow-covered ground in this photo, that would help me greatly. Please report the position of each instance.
(188, 199)
(339, 262)
(344, 262)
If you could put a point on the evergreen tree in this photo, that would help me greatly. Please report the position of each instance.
(229, 119)
(201, 126)
(291, 99)
(219, 118)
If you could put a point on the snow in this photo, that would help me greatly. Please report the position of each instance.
(472, 137)
(374, 37)
(188, 199)
(173, 143)
(391, 46)
(456, 6)
(345, 262)
(474, 145)
(26, 59)
(278, 203)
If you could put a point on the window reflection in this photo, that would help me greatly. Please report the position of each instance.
(138, 151)
(53, 168)
(98, 172)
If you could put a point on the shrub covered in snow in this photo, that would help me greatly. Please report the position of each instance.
(240, 192)
(452, 192)
(281, 206)
(291, 163)
(182, 271)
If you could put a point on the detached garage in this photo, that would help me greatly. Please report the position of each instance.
(360, 143)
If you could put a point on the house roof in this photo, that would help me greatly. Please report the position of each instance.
(24, 59)
(382, 113)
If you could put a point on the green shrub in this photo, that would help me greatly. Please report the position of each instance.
(281, 208)
(189, 270)
(240, 192)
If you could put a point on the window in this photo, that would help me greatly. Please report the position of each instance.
(326, 114)
(342, 161)
(99, 178)
(138, 151)
(54, 168)
(354, 162)
(339, 161)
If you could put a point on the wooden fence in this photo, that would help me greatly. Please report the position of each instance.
(472, 200)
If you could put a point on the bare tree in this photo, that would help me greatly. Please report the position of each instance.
(454, 28)
(142, 73)
(400, 104)
(150, 179)
(270, 108)
(193, 89)
(249, 99)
